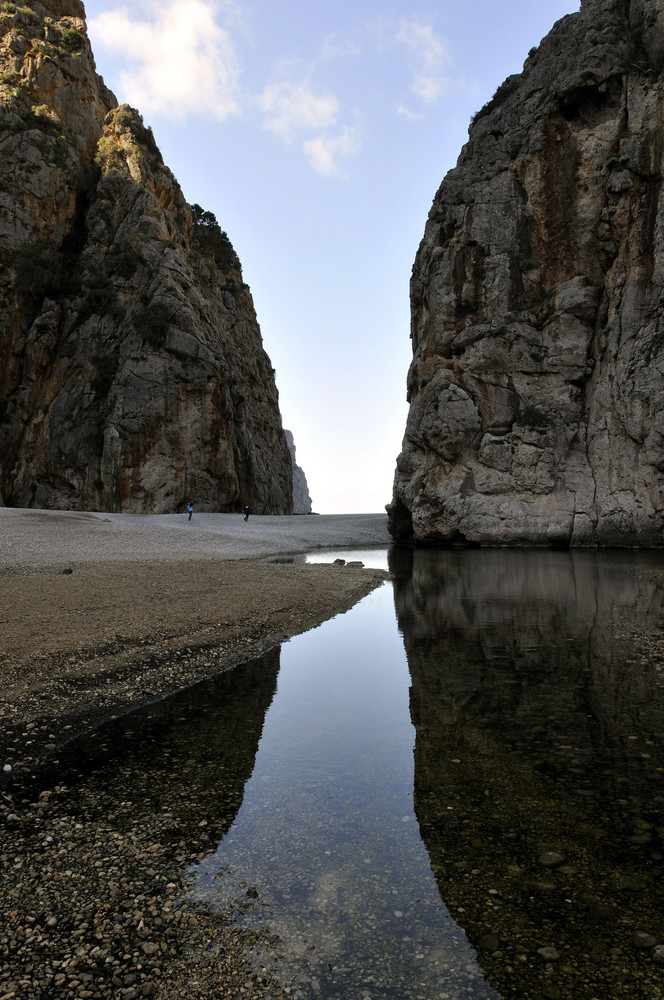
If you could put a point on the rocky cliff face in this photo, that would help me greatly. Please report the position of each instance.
(132, 372)
(538, 336)
(301, 498)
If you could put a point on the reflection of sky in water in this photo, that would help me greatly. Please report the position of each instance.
(371, 558)
(325, 847)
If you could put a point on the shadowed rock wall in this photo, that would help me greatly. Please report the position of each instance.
(538, 367)
(132, 372)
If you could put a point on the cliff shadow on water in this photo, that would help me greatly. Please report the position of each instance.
(538, 703)
(176, 768)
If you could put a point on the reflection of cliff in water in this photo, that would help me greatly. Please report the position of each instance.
(538, 761)
(187, 757)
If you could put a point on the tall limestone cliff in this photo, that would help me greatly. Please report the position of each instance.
(132, 372)
(537, 379)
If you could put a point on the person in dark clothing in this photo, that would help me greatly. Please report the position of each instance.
(247, 512)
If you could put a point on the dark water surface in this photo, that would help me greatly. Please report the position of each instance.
(538, 701)
(455, 790)
(326, 841)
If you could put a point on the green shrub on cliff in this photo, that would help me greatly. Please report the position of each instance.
(100, 300)
(106, 367)
(109, 156)
(152, 321)
(72, 40)
(213, 241)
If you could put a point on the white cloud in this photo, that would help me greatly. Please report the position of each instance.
(295, 111)
(326, 151)
(291, 108)
(182, 61)
(409, 113)
(431, 56)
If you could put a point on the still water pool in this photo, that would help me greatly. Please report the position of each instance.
(455, 790)
(326, 846)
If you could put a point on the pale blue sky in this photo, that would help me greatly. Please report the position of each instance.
(318, 133)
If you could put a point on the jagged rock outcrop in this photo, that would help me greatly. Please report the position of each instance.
(537, 325)
(301, 498)
(132, 372)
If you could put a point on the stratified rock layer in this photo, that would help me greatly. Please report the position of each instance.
(132, 372)
(538, 334)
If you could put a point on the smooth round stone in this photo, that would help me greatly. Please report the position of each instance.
(550, 858)
(643, 940)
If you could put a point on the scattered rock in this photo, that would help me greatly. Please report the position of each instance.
(644, 940)
(548, 954)
(601, 912)
(489, 941)
(631, 883)
(550, 859)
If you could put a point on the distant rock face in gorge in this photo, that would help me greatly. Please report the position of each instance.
(537, 298)
(132, 372)
(301, 498)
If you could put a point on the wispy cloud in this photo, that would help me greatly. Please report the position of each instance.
(296, 112)
(291, 108)
(430, 60)
(334, 48)
(182, 61)
(406, 112)
(327, 153)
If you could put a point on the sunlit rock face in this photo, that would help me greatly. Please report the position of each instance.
(132, 372)
(538, 366)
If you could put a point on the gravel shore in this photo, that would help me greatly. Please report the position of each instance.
(102, 613)
(59, 538)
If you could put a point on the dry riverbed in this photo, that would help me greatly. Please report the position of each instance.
(93, 899)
